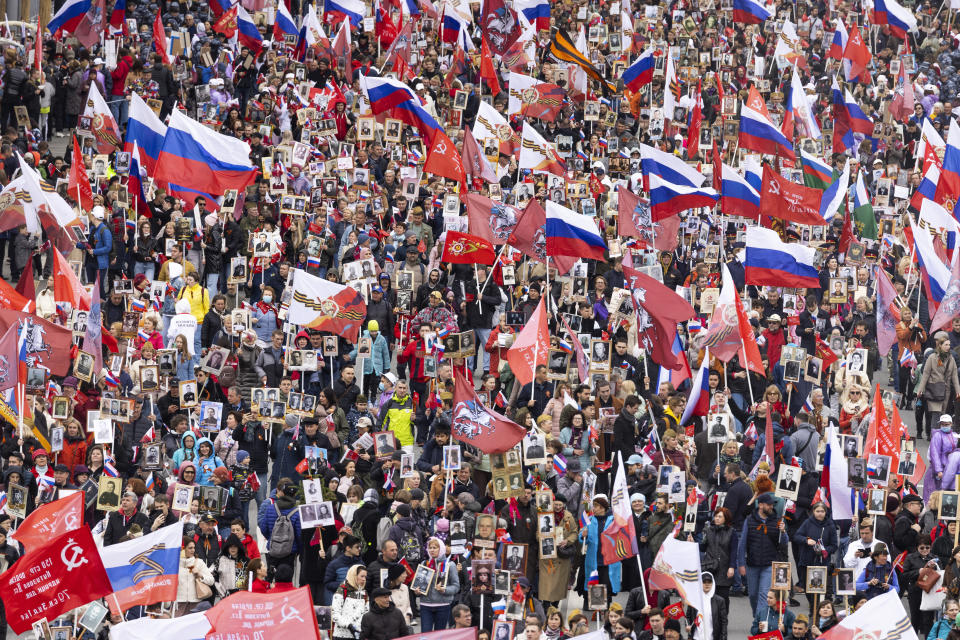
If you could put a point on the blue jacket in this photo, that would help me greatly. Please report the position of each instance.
(592, 535)
(763, 538)
(379, 360)
(205, 466)
(786, 452)
(102, 245)
(772, 619)
(825, 532)
(940, 629)
(883, 574)
(336, 573)
(266, 323)
(185, 368)
(267, 517)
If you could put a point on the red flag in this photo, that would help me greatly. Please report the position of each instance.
(463, 248)
(846, 234)
(484, 428)
(78, 184)
(888, 315)
(92, 24)
(227, 23)
(675, 611)
(901, 107)
(768, 439)
(717, 168)
(693, 131)
(444, 160)
(659, 309)
(880, 434)
(38, 51)
(487, 70)
(47, 343)
(753, 360)
(634, 220)
(25, 285)
(341, 49)
(63, 574)
(470, 633)
(475, 163)
(398, 55)
(66, 284)
(492, 221)
(9, 369)
(531, 345)
(160, 39)
(51, 520)
(858, 54)
(528, 237)
(500, 25)
(10, 298)
(265, 616)
(825, 353)
(786, 200)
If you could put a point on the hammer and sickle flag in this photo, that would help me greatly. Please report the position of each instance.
(326, 306)
(463, 248)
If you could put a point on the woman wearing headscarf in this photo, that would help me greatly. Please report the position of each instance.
(435, 604)
(350, 603)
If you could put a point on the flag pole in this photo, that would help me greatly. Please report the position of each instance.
(746, 368)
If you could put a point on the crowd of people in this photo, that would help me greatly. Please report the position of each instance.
(345, 456)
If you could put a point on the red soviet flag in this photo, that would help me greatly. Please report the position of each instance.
(484, 428)
(659, 310)
(47, 343)
(265, 616)
(50, 521)
(78, 184)
(463, 248)
(444, 160)
(492, 221)
(531, 345)
(10, 298)
(788, 200)
(63, 574)
(634, 220)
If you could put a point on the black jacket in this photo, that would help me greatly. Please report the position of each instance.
(384, 623)
(737, 501)
(625, 434)
(904, 536)
(118, 526)
(211, 328)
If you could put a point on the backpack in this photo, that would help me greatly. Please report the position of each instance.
(383, 530)
(410, 546)
(281, 539)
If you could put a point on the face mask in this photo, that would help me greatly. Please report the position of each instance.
(946, 429)
(268, 298)
(381, 387)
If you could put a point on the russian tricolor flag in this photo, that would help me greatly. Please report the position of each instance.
(284, 24)
(772, 262)
(572, 234)
(640, 73)
(537, 12)
(385, 93)
(412, 113)
(927, 189)
(839, 42)
(753, 172)
(248, 35)
(749, 12)
(69, 16)
(220, 7)
(354, 10)
(209, 161)
(737, 197)
(669, 167)
(667, 199)
(936, 274)
(900, 19)
(860, 122)
(698, 404)
(950, 175)
(146, 131)
(758, 133)
(834, 196)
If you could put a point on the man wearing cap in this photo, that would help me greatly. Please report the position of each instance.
(384, 621)
(435, 313)
(775, 337)
(762, 539)
(119, 522)
(906, 529)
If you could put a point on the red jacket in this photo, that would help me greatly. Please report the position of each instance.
(250, 545)
(497, 353)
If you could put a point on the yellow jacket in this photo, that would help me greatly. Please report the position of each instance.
(199, 300)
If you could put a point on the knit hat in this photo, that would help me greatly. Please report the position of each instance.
(242, 456)
(404, 511)
(40, 452)
(290, 421)
(70, 381)
(373, 325)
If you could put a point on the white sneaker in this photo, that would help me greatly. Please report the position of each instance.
(59, 134)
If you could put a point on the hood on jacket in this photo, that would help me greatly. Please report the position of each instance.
(183, 437)
(233, 540)
(25, 476)
(213, 450)
(186, 464)
(443, 548)
(713, 584)
(182, 306)
(302, 334)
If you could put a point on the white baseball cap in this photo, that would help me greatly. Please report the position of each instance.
(98, 212)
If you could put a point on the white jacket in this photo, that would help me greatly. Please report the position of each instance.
(186, 586)
(346, 613)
